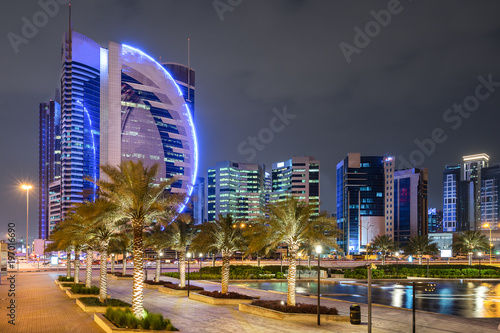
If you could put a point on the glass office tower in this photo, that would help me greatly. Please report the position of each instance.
(117, 104)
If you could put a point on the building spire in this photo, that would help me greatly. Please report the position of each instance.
(189, 71)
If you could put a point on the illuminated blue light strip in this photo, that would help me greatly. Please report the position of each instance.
(191, 123)
(93, 143)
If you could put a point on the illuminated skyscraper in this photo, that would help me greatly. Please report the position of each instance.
(237, 189)
(298, 177)
(117, 104)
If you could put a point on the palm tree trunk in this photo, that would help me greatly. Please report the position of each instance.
(309, 261)
(112, 263)
(88, 269)
(292, 270)
(420, 260)
(77, 266)
(138, 285)
(213, 260)
(103, 277)
(470, 259)
(225, 272)
(258, 261)
(182, 268)
(68, 264)
(383, 258)
(158, 267)
(124, 269)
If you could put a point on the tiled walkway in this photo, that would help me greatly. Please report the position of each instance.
(42, 307)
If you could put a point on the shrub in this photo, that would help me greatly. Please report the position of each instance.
(126, 319)
(154, 283)
(218, 294)
(63, 278)
(298, 308)
(94, 301)
(81, 289)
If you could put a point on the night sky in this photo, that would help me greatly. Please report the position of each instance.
(350, 84)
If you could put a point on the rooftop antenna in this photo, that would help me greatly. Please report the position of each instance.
(189, 71)
(70, 34)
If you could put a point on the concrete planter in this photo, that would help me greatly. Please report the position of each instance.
(152, 286)
(66, 288)
(173, 292)
(218, 301)
(302, 317)
(73, 295)
(109, 327)
(122, 278)
(96, 309)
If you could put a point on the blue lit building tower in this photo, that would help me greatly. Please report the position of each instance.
(364, 200)
(49, 168)
(80, 118)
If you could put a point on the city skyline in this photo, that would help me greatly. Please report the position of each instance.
(247, 79)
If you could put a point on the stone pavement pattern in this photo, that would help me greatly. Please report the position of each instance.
(42, 307)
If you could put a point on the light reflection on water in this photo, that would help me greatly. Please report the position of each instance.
(466, 299)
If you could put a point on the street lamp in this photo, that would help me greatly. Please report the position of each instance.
(27, 187)
(201, 255)
(487, 225)
(397, 257)
(367, 247)
(480, 255)
(188, 255)
(318, 251)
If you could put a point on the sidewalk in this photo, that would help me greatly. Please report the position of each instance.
(42, 307)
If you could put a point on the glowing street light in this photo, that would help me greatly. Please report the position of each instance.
(487, 225)
(27, 187)
(318, 251)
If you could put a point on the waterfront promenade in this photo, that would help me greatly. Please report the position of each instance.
(42, 307)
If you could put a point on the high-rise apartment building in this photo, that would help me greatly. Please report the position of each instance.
(198, 201)
(435, 220)
(297, 177)
(49, 168)
(410, 217)
(117, 104)
(462, 194)
(374, 199)
(364, 194)
(237, 189)
(490, 194)
(471, 173)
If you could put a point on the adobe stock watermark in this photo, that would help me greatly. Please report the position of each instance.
(30, 27)
(265, 136)
(454, 117)
(222, 6)
(363, 38)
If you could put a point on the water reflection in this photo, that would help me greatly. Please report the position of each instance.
(466, 299)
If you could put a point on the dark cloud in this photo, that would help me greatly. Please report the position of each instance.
(272, 54)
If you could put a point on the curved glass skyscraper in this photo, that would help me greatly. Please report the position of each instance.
(118, 103)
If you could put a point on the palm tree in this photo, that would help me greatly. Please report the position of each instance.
(470, 242)
(179, 237)
(222, 236)
(122, 244)
(157, 239)
(141, 200)
(420, 245)
(382, 243)
(61, 241)
(292, 222)
(102, 224)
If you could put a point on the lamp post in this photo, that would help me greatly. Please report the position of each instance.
(487, 225)
(188, 255)
(367, 247)
(397, 257)
(318, 251)
(201, 255)
(27, 187)
(479, 257)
